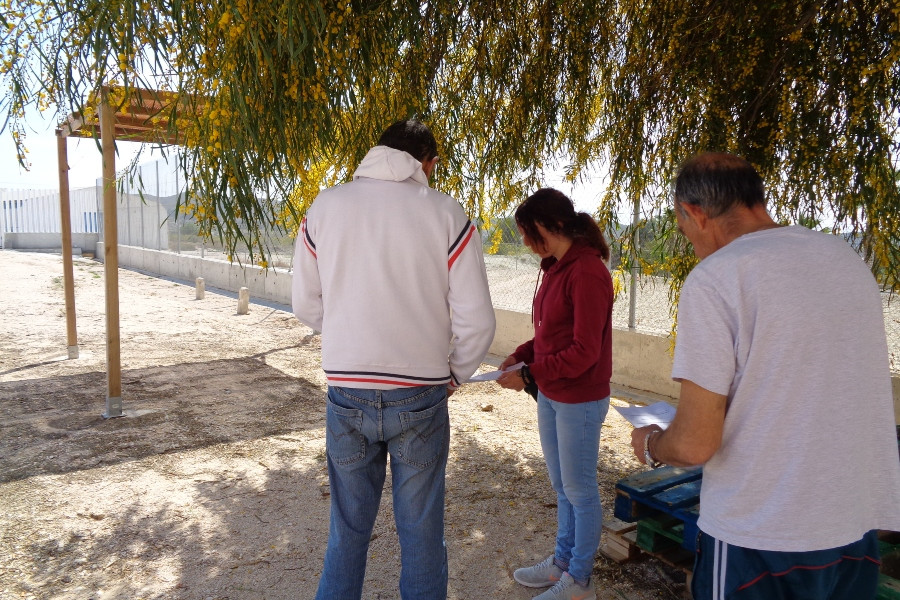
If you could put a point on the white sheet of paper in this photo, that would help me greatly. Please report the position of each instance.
(660, 413)
(495, 375)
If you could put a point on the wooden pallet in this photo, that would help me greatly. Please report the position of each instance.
(624, 546)
(889, 578)
(888, 588)
(656, 513)
(669, 492)
(659, 533)
(616, 546)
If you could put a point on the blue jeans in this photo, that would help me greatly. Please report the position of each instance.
(570, 439)
(363, 427)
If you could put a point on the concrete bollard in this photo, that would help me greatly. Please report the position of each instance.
(201, 288)
(243, 301)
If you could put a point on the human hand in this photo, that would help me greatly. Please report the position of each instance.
(512, 380)
(510, 361)
(638, 436)
(450, 391)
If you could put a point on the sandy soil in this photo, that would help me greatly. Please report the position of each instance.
(213, 486)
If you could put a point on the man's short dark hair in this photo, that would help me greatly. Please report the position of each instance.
(410, 136)
(717, 182)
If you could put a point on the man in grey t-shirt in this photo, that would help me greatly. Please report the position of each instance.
(785, 398)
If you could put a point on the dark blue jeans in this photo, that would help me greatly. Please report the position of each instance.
(363, 427)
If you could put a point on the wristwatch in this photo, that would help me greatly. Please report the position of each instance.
(531, 387)
(648, 458)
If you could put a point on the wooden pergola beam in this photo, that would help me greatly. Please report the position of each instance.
(141, 118)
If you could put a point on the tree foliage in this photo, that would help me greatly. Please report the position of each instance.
(275, 99)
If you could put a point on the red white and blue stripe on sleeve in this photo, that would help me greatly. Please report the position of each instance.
(462, 240)
(307, 240)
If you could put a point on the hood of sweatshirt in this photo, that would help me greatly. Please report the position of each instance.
(389, 164)
(578, 248)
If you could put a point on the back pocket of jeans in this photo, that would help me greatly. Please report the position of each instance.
(344, 440)
(425, 436)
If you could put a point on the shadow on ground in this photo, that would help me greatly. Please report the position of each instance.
(215, 487)
(54, 425)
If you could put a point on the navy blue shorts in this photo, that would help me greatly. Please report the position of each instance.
(726, 572)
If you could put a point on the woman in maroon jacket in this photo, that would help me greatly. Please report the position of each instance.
(570, 362)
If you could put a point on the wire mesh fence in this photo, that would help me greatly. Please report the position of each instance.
(149, 219)
(148, 216)
(151, 199)
(148, 202)
(513, 274)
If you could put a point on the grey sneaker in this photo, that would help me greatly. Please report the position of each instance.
(543, 574)
(567, 589)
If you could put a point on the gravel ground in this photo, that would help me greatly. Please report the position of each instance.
(214, 486)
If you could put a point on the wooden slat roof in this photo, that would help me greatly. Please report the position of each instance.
(143, 116)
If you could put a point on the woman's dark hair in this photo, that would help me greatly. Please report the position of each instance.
(412, 137)
(556, 213)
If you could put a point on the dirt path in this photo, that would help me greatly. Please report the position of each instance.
(214, 484)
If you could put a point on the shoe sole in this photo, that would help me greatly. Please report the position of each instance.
(534, 585)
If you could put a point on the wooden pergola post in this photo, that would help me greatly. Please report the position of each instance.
(141, 118)
(66, 230)
(111, 259)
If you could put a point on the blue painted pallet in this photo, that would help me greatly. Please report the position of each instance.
(672, 491)
(635, 492)
(689, 516)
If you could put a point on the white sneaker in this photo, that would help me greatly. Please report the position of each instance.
(543, 574)
(567, 589)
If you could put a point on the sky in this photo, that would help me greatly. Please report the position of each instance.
(85, 159)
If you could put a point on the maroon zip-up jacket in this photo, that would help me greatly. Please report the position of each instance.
(570, 356)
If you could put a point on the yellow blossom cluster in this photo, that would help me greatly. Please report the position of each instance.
(273, 101)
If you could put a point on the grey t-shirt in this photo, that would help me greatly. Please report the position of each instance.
(788, 324)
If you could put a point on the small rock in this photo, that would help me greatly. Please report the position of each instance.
(487, 408)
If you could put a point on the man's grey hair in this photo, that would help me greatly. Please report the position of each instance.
(717, 182)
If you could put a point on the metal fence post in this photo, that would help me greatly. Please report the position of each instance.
(635, 267)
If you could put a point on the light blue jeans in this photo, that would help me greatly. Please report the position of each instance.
(570, 439)
(363, 427)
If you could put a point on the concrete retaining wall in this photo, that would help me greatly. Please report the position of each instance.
(48, 241)
(640, 361)
(267, 284)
